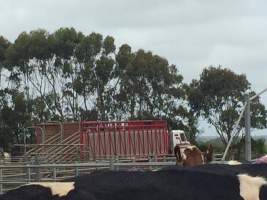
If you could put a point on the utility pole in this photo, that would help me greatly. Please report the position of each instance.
(247, 113)
(247, 131)
(248, 125)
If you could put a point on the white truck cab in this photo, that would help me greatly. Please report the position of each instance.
(178, 137)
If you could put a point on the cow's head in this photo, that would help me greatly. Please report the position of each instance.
(193, 156)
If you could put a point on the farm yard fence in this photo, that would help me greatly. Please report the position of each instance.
(12, 176)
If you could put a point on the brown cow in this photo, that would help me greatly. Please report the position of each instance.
(192, 156)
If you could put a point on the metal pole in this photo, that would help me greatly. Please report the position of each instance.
(37, 170)
(247, 124)
(61, 131)
(116, 161)
(54, 173)
(150, 159)
(76, 170)
(234, 132)
(42, 132)
(28, 173)
(111, 164)
(260, 93)
(248, 135)
(164, 158)
(1, 179)
(24, 141)
(78, 154)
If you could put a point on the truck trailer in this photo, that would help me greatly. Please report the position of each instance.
(108, 139)
(129, 139)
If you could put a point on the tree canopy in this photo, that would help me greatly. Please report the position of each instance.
(68, 76)
(219, 96)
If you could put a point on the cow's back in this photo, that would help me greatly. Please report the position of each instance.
(168, 184)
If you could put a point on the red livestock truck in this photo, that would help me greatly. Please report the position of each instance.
(129, 138)
(124, 139)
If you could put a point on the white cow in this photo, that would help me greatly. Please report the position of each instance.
(234, 162)
(5, 157)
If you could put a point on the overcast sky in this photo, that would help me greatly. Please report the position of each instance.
(191, 34)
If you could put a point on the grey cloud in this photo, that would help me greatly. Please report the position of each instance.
(192, 34)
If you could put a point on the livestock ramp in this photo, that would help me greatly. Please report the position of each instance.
(56, 143)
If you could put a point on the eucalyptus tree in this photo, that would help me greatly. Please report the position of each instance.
(147, 82)
(63, 72)
(4, 44)
(219, 96)
(66, 75)
(150, 88)
(97, 66)
(13, 116)
(27, 60)
(39, 60)
(17, 56)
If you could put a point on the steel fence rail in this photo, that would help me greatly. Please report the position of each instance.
(104, 164)
(57, 172)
